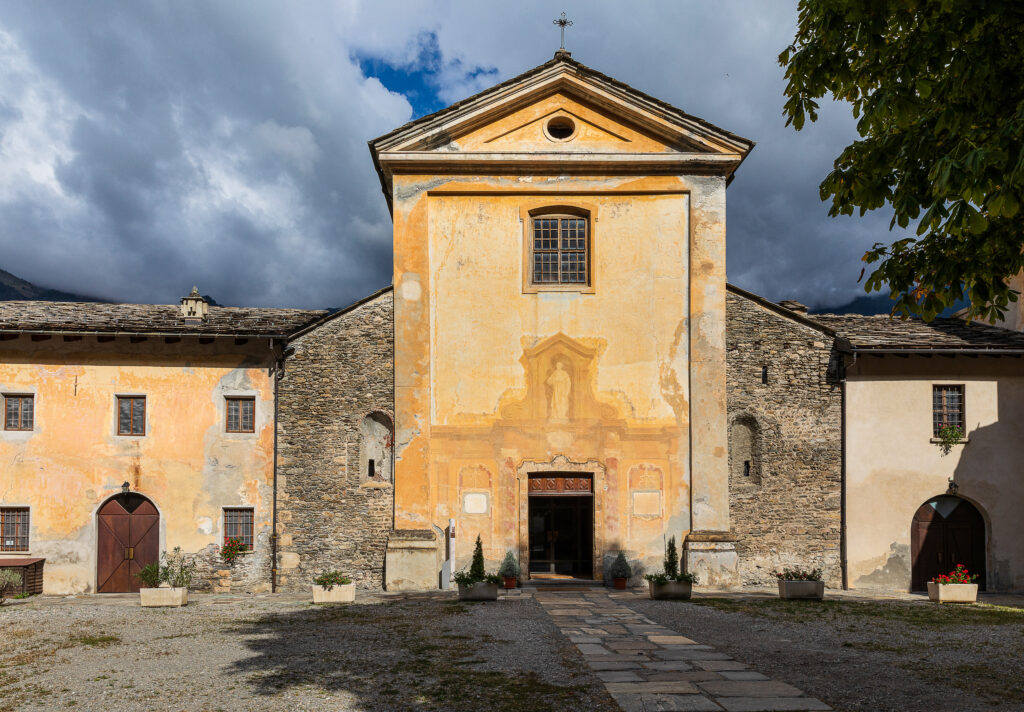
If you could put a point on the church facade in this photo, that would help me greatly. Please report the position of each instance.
(559, 368)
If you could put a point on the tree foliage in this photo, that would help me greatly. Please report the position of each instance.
(937, 88)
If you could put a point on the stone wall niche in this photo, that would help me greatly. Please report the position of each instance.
(376, 445)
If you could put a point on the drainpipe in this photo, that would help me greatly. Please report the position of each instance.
(278, 372)
(842, 469)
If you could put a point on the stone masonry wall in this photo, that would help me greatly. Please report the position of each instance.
(331, 516)
(785, 507)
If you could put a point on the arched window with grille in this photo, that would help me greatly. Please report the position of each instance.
(559, 249)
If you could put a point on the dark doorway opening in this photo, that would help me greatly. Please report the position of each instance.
(127, 538)
(947, 531)
(561, 512)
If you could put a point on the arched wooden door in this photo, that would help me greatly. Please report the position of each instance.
(128, 538)
(946, 531)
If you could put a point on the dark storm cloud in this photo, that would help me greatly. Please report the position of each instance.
(149, 146)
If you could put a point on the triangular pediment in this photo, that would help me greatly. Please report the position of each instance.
(564, 113)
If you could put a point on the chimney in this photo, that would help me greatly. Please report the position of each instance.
(794, 306)
(194, 308)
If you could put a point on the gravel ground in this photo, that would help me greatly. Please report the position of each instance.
(271, 653)
(866, 655)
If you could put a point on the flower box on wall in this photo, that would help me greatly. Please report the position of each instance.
(806, 590)
(953, 592)
(164, 597)
(338, 593)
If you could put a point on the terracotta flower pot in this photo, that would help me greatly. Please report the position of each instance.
(620, 583)
(953, 592)
(510, 581)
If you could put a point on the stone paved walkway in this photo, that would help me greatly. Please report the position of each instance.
(647, 667)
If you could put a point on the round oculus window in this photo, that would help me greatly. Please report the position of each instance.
(561, 127)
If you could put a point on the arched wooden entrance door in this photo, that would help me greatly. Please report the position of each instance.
(128, 538)
(947, 531)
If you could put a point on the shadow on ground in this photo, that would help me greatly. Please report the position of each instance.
(396, 656)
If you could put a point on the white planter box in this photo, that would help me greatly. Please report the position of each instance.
(163, 597)
(673, 590)
(479, 592)
(953, 592)
(811, 590)
(339, 593)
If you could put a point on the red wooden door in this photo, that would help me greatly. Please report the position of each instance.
(128, 538)
(946, 531)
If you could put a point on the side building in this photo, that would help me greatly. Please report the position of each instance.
(132, 429)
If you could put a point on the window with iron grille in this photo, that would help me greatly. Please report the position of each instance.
(241, 415)
(238, 525)
(560, 250)
(131, 415)
(19, 412)
(14, 528)
(947, 408)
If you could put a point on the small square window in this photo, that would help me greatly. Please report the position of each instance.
(131, 415)
(238, 525)
(13, 528)
(947, 408)
(241, 415)
(19, 412)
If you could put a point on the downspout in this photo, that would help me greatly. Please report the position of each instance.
(278, 367)
(842, 471)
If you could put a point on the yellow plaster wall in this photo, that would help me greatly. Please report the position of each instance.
(893, 467)
(73, 459)
(468, 338)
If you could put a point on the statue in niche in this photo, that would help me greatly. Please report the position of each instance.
(561, 384)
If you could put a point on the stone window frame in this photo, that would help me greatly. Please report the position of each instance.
(32, 416)
(527, 214)
(755, 477)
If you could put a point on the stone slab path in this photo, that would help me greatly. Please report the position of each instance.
(647, 667)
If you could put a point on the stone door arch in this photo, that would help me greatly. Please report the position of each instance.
(127, 538)
(947, 531)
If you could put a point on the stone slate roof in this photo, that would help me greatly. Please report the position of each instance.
(880, 333)
(98, 317)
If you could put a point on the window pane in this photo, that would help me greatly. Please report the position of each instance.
(26, 412)
(13, 529)
(124, 416)
(248, 411)
(233, 415)
(138, 416)
(238, 525)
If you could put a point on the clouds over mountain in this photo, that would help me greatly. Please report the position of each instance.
(150, 146)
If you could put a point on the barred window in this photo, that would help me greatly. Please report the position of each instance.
(241, 415)
(561, 250)
(131, 415)
(238, 525)
(947, 408)
(19, 412)
(14, 528)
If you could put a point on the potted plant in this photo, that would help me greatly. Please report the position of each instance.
(948, 436)
(620, 571)
(670, 583)
(166, 584)
(799, 583)
(509, 570)
(476, 584)
(9, 579)
(955, 587)
(333, 587)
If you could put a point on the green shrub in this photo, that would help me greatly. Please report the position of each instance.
(177, 569)
(509, 566)
(620, 567)
(797, 574)
(149, 575)
(9, 578)
(671, 559)
(476, 573)
(330, 579)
